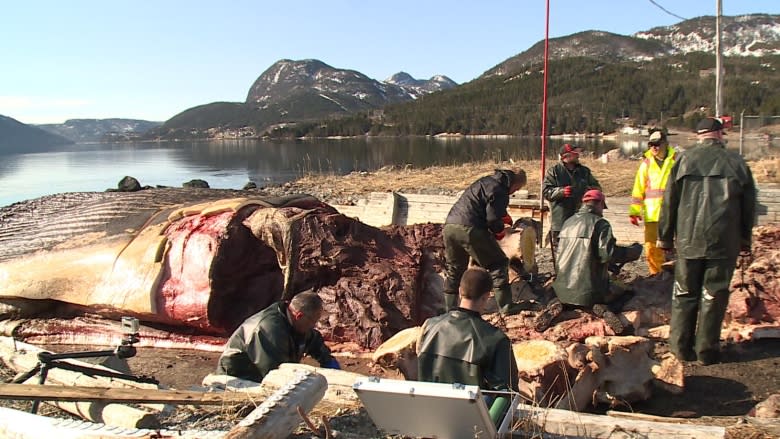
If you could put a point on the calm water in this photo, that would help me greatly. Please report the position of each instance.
(231, 164)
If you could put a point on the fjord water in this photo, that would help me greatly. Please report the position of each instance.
(233, 163)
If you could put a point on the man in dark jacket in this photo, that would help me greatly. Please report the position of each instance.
(472, 228)
(564, 185)
(587, 248)
(461, 347)
(707, 214)
(281, 333)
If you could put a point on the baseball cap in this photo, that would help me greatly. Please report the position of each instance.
(593, 195)
(567, 149)
(708, 125)
(656, 136)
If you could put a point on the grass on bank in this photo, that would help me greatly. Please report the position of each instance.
(616, 177)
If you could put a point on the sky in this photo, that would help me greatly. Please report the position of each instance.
(154, 59)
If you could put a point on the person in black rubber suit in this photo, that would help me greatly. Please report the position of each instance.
(587, 248)
(564, 185)
(460, 347)
(282, 333)
(474, 224)
(707, 214)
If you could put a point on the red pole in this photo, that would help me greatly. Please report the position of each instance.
(544, 112)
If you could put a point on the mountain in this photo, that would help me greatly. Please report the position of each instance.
(598, 82)
(100, 130)
(421, 87)
(297, 91)
(744, 35)
(16, 137)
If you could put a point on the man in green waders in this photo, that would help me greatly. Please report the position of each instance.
(707, 214)
(472, 229)
(587, 248)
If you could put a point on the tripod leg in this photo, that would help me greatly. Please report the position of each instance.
(20, 379)
(42, 379)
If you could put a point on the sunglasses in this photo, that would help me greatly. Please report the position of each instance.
(654, 145)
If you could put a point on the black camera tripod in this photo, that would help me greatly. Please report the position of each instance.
(48, 361)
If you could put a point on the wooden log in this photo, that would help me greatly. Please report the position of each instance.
(278, 415)
(544, 371)
(114, 394)
(625, 372)
(339, 390)
(400, 352)
(543, 422)
(22, 357)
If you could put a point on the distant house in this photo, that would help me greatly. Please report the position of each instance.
(630, 130)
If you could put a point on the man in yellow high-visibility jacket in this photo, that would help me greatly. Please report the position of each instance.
(648, 193)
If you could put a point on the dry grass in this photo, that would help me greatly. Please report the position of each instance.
(616, 177)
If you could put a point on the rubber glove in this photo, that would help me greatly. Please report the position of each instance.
(331, 364)
(634, 220)
(567, 191)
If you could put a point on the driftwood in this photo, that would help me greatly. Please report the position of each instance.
(543, 422)
(280, 414)
(339, 383)
(22, 357)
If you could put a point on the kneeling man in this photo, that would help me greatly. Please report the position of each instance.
(585, 252)
(282, 333)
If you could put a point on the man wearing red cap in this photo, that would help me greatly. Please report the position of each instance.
(587, 248)
(707, 214)
(564, 185)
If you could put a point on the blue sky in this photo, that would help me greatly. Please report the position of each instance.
(152, 60)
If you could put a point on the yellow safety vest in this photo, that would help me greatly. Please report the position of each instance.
(649, 186)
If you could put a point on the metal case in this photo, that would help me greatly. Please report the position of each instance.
(434, 410)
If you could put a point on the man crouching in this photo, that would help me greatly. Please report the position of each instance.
(282, 333)
(586, 250)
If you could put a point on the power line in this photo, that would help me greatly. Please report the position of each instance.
(667, 11)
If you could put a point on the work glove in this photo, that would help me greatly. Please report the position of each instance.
(331, 364)
(567, 191)
(634, 220)
(507, 220)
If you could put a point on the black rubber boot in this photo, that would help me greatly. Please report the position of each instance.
(545, 318)
(505, 305)
(610, 318)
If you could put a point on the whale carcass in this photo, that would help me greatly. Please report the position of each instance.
(203, 260)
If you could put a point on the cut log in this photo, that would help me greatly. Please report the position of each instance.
(278, 415)
(339, 391)
(625, 373)
(544, 370)
(22, 357)
(400, 352)
(539, 422)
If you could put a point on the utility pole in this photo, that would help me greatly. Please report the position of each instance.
(718, 63)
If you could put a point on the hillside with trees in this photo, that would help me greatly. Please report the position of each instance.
(585, 95)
